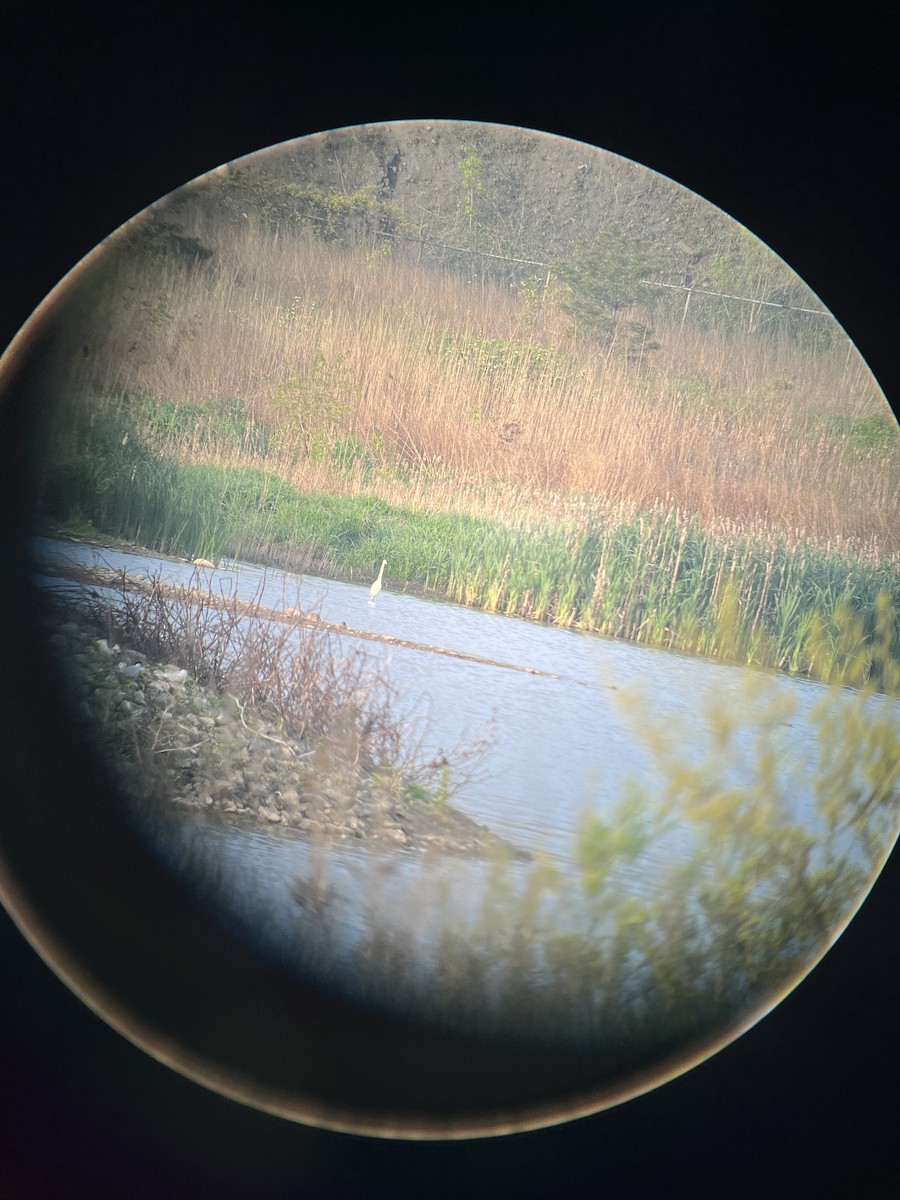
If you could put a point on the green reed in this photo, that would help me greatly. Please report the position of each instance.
(655, 577)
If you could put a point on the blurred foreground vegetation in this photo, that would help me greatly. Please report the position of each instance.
(682, 914)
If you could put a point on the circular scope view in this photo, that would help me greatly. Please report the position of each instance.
(476, 559)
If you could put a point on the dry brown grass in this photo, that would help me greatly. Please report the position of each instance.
(321, 694)
(317, 343)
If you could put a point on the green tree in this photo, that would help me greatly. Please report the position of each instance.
(604, 277)
(748, 269)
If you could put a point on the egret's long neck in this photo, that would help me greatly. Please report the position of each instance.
(381, 572)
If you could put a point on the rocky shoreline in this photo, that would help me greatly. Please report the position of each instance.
(172, 742)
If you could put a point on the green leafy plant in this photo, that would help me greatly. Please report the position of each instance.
(310, 405)
(497, 356)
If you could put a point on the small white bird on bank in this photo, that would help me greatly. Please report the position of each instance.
(376, 586)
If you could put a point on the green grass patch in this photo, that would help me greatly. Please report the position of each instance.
(876, 434)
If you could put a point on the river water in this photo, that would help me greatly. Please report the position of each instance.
(562, 746)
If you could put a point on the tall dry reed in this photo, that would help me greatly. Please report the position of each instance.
(484, 402)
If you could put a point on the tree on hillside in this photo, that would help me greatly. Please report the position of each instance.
(747, 268)
(604, 277)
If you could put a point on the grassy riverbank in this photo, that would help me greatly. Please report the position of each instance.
(655, 577)
(318, 409)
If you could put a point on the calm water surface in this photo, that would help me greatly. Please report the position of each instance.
(561, 745)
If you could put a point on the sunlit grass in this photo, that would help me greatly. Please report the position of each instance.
(370, 374)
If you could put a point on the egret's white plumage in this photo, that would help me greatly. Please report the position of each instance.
(376, 586)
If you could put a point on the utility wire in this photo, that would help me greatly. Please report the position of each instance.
(533, 262)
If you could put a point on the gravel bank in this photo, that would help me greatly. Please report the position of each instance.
(171, 741)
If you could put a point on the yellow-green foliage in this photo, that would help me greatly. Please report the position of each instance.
(687, 909)
(333, 215)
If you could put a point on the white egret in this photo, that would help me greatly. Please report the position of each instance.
(376, 586)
